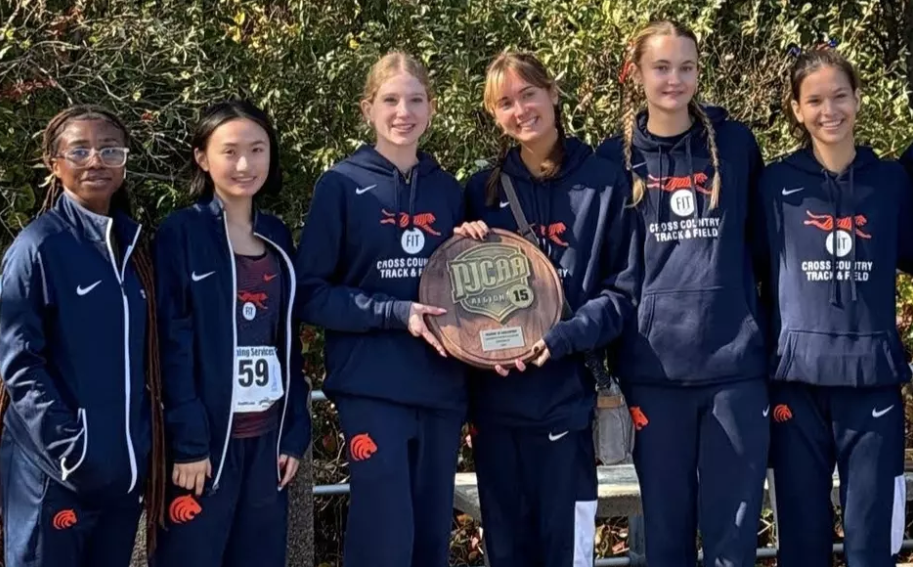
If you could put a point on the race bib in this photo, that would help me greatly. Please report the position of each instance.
(258, 379)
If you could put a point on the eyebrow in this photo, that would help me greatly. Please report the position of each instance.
(86, 142)
(667, 62)
(234, 144)
(523, 90)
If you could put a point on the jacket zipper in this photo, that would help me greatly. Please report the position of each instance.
(234, 349)
(119, 274)
(288, 344)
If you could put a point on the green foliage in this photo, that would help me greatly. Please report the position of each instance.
(157, 63)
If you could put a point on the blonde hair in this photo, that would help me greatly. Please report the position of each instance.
(391, 64)
(630, 106)
(531, 70)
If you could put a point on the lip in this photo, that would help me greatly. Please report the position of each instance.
(244, 180)
(831, 125)
(403, 128)
(528, 124)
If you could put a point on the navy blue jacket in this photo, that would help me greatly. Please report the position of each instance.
(586, 229)
(368, 235)
(72, 350)
(835, 244)
(197, 295)
(698, 320)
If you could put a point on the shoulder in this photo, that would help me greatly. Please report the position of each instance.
(274, 228)
(735, 135)
(611, 149)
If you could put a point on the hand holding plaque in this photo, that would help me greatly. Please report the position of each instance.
(502, 295)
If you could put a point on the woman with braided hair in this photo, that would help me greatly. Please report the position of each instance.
(82, 427)
(693, 368)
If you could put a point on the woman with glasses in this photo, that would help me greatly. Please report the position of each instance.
(81, 446)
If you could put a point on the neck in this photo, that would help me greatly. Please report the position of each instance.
(101, 206)
(238, 210)
(535, 153)
(835, 157)
(665, 124)
(403, 157)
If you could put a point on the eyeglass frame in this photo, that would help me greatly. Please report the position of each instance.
(96, 152)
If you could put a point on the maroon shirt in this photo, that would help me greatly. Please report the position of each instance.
(258, 318)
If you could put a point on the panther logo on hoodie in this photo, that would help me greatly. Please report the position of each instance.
(413, 239)
(844, 233)
(841, 237)
(682, 199)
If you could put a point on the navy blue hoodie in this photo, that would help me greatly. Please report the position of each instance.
(585, 228)
(698, 319)
(72, 351)
(836, 241)
(368, 235)
(197, 298)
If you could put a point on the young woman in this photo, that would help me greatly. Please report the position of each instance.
(234, 388)
(693, 369)
(81, 443)
(533, 439)
(374, 220)
(836, 219)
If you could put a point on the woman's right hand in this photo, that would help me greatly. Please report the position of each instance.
(477, 230)
(418, 328)
(192, 476)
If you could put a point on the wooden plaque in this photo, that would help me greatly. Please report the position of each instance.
(501, 294)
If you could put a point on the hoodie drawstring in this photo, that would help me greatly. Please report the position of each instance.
(833, 193)
(690, 161)
(852, 235)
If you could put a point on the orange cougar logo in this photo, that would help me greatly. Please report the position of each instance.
(826, 223)
(637, 416)
(362, 447)
(782, 413)
(671, 184)
(64, 519)
(184, 509)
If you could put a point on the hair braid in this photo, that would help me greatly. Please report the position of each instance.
(494, 178)
(716, 181)
(629, 116)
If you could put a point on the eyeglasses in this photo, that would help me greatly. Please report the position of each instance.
(110, 157)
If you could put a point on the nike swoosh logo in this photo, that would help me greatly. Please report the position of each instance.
(766, 411)
(791, 191)
(269, 277)
(641, 164)
(361, 190)
(84, 290)
(552, 437)
(200, 277)
(876, 413)
(505, 204)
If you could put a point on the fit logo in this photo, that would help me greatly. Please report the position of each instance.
(184, 509)
(64, 519)
(782, 413)
(362, 447)
(839, 242)
(637, 416)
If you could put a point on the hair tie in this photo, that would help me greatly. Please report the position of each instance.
(625, 71)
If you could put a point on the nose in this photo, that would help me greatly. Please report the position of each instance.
(94, 160)
(242, 163)
(402, 107)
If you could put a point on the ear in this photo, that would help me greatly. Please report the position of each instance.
(797, 112)
(55, 167)
(858, 94)
(366, 110)
(636, 75)
(553, 94)
(199, 156)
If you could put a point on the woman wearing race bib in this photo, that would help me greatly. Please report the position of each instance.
(234, 389)
(82, 427)
(532, 425)
(837, 224)
(374, 220)
(694, 367)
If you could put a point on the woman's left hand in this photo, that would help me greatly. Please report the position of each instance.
(541, 352)
(289, 467)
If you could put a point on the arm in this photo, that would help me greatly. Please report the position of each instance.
(53, 427)
(185, 415)
(907, 160)
(601, 319)
(322, 302)
(755, 224)
(297, 432)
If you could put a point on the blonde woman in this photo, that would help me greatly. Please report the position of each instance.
(375, 219)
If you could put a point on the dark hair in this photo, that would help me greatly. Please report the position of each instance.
(217, 115)
(142, 263)
(531, 70)
(807, 63)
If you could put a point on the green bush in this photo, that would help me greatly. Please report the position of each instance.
(158, 62)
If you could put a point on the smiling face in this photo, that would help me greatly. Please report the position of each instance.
(667, 69)
(237, 158)
(827, 105)
(400, 111)
(524, 111)
(93, 183)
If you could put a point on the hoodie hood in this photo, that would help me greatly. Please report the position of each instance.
(575, 153)
(839, 189)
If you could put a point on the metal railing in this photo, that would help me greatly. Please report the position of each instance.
(760, 553)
